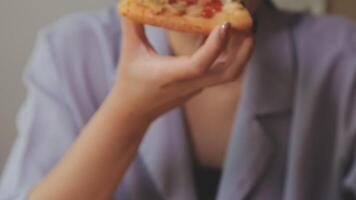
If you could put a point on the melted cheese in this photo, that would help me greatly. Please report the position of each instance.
(159, 6)
(231, 6)
(194, 10)
(177, 8)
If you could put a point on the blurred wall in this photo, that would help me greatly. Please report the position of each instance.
(344, 8)
(316, 6)
(19, 22)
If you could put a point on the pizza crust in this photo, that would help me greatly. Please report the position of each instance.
(240, 19)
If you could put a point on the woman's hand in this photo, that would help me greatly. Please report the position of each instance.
(150, 84)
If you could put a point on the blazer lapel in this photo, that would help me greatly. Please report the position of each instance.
(268, 90)
(166, 156)
(165, 148)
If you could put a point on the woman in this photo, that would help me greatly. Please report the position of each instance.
(282, 128)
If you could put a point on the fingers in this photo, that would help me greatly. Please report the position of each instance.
(227, 74)
(188, 67)
(244, 53)
(235, 68)
(231, 50)
(206, 54)
(134, 35)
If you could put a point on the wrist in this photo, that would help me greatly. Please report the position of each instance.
(126, 110)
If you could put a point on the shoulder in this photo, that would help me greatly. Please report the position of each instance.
(75, 57)
(83, 32)
(325, 25)
(326, 48)
(321, 39)
(80, 42)
(104, 20)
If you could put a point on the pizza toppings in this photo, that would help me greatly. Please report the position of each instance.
(191, 2)
(211, 8)
(196, 8)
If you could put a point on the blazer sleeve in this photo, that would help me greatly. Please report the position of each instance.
(348, 117)
(46, 127)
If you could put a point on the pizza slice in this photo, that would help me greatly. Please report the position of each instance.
(194, 16)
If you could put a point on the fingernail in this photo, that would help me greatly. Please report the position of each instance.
(255, 24)
(223, 30)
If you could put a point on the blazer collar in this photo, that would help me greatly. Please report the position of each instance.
(268, 90)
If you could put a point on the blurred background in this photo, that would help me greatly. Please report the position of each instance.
(20, 21)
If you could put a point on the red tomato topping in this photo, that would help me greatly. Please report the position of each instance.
(191, 2)
(172, 1)
(181, 13)
(211, 8)
(203, 2)
(207, 12)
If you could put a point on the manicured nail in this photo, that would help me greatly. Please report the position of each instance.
(223, 30)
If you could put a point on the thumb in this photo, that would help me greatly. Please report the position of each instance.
(133, 35)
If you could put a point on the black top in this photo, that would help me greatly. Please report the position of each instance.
(206, 181)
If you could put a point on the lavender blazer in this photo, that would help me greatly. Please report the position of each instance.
(293, 139)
